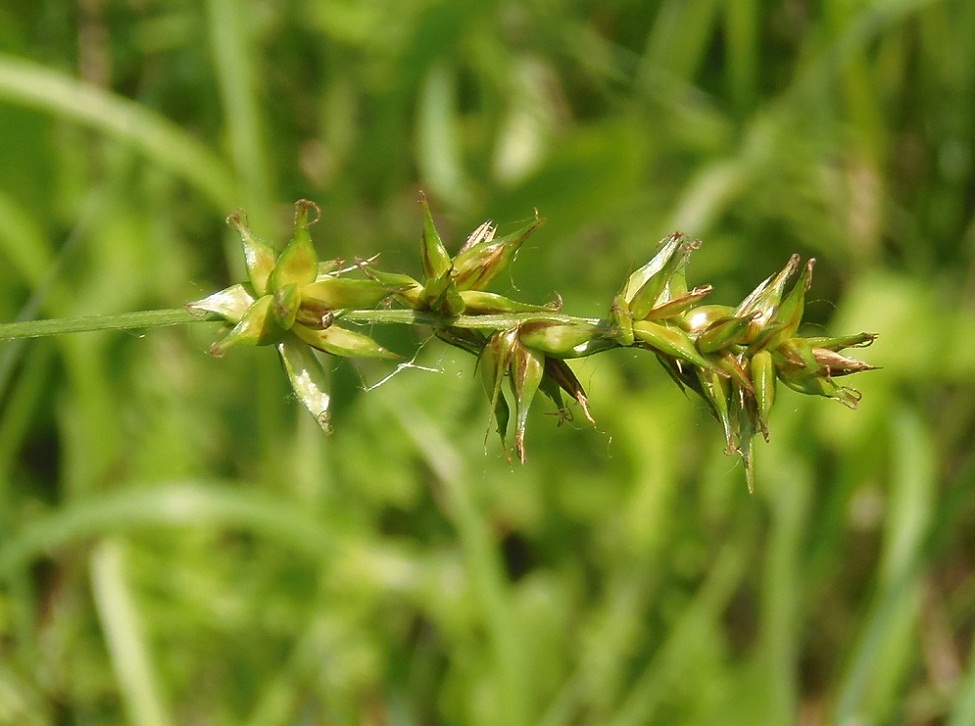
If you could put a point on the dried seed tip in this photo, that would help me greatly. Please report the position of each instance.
(484, 233)
(331, 268)
(731, 365)
(810, 264)
(237, 218)
(560, 376)
(767, 295)
(835, 364)
(648, 286)
(783, 320)
(302, 209)
(679, 304)
(480, 263)
(324, 420)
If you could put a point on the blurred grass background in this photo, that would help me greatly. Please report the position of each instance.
(180, 545)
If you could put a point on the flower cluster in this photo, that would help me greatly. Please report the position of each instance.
(733, 357)
(290, 300)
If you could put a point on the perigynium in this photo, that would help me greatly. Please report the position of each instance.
(733, 357)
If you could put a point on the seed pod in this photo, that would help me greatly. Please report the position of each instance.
(493, 365)
(858, 340)
(478, 302)
(680, 304)
(788, 315)
(658, 276)
(799, 369)
(256, 327)
(340, 293)
(308, 379)
(638, 280)
(436, 261)
(731, 365)
(820, 386)
(765, 298)
(716, 391)
(259, 256)
(622, 319)
(527, 370)
(558, 376)
(700, 318)
(480, 263)
(746, 436)
(669, 340)
(315, 315)
(762, 370)
(471, 341)
(343, 342)
(403, 287)
(441, 295)
(298, 263)
(285, 308)
(231, 303)
(795, 354)
(566, 340)
(724, 333)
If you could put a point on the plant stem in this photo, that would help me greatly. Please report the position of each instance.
(119, 321)
(180, 316)
(472, 322)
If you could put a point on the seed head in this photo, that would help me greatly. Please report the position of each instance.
(292, 300)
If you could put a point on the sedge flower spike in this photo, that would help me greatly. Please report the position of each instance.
(733, 357)
(290, 301)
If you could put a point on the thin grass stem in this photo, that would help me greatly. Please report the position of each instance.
(179, 316)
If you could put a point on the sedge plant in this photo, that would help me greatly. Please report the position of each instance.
(734, 357)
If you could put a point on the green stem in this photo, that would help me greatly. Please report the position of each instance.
(472, 322)
(118, 321)
(180, 316)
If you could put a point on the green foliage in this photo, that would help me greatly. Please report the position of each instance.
(180, 544)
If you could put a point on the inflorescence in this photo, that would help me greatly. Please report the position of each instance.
(733, 357)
